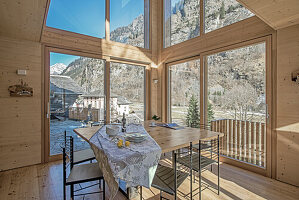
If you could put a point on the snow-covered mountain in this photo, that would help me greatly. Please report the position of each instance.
(57, 68)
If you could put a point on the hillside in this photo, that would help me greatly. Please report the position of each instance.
(225, 69)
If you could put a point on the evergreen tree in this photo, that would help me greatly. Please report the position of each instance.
(193, 117)
(222, 11)
(210, 112)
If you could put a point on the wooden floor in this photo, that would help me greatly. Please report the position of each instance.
(45, 182)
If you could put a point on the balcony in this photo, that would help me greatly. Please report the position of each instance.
(243, 140)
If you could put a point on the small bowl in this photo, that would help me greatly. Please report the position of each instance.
(112, 130)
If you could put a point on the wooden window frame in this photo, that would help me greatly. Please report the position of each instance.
(45, 147)
(201, 25)
(269, 101)
(147, 25)
(168, 79)
(270, 165)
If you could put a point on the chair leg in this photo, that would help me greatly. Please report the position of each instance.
(218, 165)
(72, 192)
(104, 194)
(140, 192)
(199, 171)
(211, 158)
(64, 193)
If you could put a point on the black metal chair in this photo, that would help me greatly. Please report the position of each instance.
(82, 155)
(78, 174)
(210, 149)
(169, 179)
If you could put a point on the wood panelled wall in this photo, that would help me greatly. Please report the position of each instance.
(287, 105)
(20, 118)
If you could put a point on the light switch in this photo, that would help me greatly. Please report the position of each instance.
(22, 72)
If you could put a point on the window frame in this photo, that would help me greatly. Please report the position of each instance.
(147, 26)
(45, 146)
(269, 101)
(145, 85)
(201, 25)
(163, 25)
(168, 83)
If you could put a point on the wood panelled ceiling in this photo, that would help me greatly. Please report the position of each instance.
(22, 18)
(276, 13)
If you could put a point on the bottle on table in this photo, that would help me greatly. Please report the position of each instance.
(124, 122)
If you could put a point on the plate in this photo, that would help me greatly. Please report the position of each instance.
(135, 140)
(135, 137)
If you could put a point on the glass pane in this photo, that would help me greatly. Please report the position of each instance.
(220, 13)
(127, 22)
(237, 101)
(185, 93)
(76, 97)
(181, 21)
(84, 17)
(127, 92)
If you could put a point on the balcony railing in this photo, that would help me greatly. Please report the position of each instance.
(243, 140)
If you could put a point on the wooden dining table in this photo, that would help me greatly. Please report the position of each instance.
(168, 139)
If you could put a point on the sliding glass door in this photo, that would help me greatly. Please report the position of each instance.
(127, 92)
(184, 93)
(76, 97)
(236, 102)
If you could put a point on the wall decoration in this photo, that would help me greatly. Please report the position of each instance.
(295, 76)
(20, 90)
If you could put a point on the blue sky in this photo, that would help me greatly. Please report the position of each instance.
(61, 58)
(123, 12)
(87, 17)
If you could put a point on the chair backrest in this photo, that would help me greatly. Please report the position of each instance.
(179, 173)
(67, 155)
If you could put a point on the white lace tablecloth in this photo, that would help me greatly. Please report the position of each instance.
(136, 164)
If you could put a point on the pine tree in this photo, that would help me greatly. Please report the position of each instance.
(193, 117)
(210, 112)
(222, 11)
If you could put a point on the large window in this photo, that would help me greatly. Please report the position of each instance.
(84, 17)
(220, 13)
(181, 21)
(129, 22)
(129, 19)
(237, 101)
(184, 97)
(182, 18)
(76, 97)
(127, 92)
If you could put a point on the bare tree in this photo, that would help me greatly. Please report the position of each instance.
(241, 98)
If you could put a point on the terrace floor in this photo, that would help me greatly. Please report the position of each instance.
(44, 181)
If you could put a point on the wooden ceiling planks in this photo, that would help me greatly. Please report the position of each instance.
(22, 19)
(276, 13)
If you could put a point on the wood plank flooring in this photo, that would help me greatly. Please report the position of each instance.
(44, 181)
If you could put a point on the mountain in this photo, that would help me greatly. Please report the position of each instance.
(132, 34)
(89, 72)
(57, 69)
